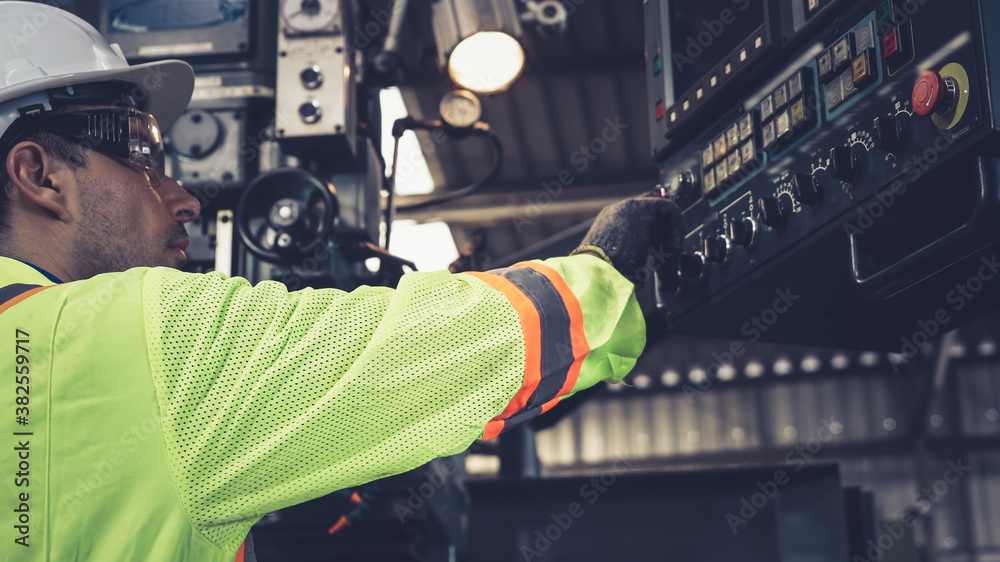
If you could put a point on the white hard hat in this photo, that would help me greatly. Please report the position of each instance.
(44, 48)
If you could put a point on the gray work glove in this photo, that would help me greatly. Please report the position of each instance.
(625, 232)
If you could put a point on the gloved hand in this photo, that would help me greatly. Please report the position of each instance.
(626, 232)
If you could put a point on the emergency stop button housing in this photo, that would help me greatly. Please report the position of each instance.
(933, 93)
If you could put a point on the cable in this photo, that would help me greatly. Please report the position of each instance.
(465, 191)
(381, 162)
(390, 200)
(365, 130)
(409, 123)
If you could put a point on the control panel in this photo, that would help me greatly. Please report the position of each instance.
(858, 176)
(316, 99)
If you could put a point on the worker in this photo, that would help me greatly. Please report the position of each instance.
(151, 414)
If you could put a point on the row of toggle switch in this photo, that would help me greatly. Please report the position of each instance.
(845, 165)
(771, 211)
(932, 94)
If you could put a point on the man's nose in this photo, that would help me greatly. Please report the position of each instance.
(183, 206)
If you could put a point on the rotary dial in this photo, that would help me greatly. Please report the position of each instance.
(310, 16)
(460, 108)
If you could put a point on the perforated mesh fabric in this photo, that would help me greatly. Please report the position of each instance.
(272, 398)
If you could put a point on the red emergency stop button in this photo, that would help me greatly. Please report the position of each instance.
(927, 92)
(934, 94)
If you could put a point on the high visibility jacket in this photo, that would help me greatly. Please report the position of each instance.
(156, 415)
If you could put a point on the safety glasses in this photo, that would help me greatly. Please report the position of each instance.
(125, 133)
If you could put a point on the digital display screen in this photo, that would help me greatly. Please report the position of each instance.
(141, 16)
(704, 32)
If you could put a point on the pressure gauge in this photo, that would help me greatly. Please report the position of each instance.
(460, 108)
(310, 16)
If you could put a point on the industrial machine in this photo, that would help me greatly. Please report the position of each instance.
(837, 166)
(705, 515)
(835, 160)
(280, 144)
(276, 87)
(216, 146)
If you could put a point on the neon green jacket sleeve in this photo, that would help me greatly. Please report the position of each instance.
(157, 415)
(272, 398)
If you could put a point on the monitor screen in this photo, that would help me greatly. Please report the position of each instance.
(157, 29)
(705, 32)
(142, 16)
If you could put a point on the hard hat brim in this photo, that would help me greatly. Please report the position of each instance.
(163, 88)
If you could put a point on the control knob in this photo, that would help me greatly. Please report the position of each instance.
(773, 211)
(807, 189)
(717, 249)
(692, 266)
(845, 164)
(687, 189)
(310, 112)
(311, 77)
(889, 134)
(743, 232)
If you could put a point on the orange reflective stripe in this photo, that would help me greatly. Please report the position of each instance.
(340, 524)
(548, 405)
(5, 306)
(531, 328)
(239, 553)
(493, 428)
(580, 346)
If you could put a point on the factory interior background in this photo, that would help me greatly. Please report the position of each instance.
(754, 431)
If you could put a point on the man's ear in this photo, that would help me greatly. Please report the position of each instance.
(38, 178)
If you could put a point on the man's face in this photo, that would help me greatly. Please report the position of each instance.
(125, 222)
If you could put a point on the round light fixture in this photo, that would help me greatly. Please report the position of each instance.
(486, 62)
(670, 378)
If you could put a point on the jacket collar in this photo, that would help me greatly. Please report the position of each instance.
(16, 271)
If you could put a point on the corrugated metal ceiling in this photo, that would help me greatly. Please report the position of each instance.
(578, 87)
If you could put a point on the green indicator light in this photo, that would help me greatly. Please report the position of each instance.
(657, 66)
(883, 12)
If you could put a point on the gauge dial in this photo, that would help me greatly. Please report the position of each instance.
(460, 108)
(310, 16)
